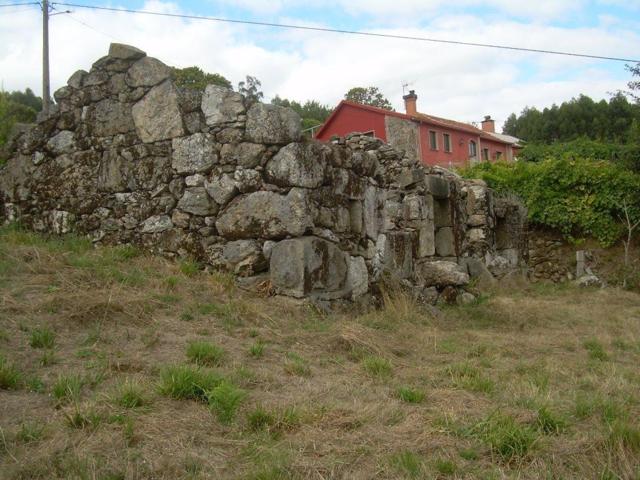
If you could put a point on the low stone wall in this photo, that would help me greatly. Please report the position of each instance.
(126, 157)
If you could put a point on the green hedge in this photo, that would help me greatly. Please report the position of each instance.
(578, 197)
(625, 155)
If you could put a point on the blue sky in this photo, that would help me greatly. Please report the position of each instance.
(463, 83)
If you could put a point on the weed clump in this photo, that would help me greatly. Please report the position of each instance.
(550, 422)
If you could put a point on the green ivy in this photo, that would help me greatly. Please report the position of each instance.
(578, 197)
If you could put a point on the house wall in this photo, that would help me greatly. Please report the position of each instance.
(351, 119)
(459, 154)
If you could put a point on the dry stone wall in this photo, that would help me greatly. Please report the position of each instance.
(127, 157)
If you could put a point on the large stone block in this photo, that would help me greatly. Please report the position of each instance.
(111, 117)
(445, 242)
(157, 116)
(442, 213)
(395, 252)
(437, 186)
(297, 165)
(193, 154)
(62, 142)
(426, 240)
(222, 188)
(113, 172)
(266, 215)
(311, 266)
(243, 257)
(125, 52)
(197, 201)
(271, 124)
(221, 105)
(441, 274)
(147, 72)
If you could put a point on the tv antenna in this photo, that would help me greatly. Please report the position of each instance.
(405, 84)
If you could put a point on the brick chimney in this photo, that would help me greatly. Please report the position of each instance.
(488, 124)
(410, 100)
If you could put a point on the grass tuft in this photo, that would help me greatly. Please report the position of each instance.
(186, 382)
(407, 463)
(10, 376)
(296, 365)
(466, 376)
(445, 467)
(505, 436)
(224, 400)
(257, 349)
(30, 432)
(410, 395)
(377, 366)
(205, 353)
(550, 422)
(130, 395)
(67, 388)
(595, 349)
(42, 338)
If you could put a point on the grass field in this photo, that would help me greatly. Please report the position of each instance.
(116, 365)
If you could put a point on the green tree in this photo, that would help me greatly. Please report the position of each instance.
(196, 79)
(368, 96)
(250, 88)
(634, 83)
(17, 107)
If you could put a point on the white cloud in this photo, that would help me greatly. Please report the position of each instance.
(458, 82)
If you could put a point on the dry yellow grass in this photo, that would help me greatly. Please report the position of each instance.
(532, 382)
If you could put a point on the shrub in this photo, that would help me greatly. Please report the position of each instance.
(224, 400)
(42, 338)
(205, 353)
(10, 377)
(410, 395)
(578, 197)
(186, 382)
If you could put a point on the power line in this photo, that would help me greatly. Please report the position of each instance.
(351, 32)
(19, 4)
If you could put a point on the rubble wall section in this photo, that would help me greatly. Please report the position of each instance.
(126, 157)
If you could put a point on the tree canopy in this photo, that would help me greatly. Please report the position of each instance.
(195, 78)
(312, 112)
(250, 88)
(368, 96)
(611, 121)
(17, 107)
